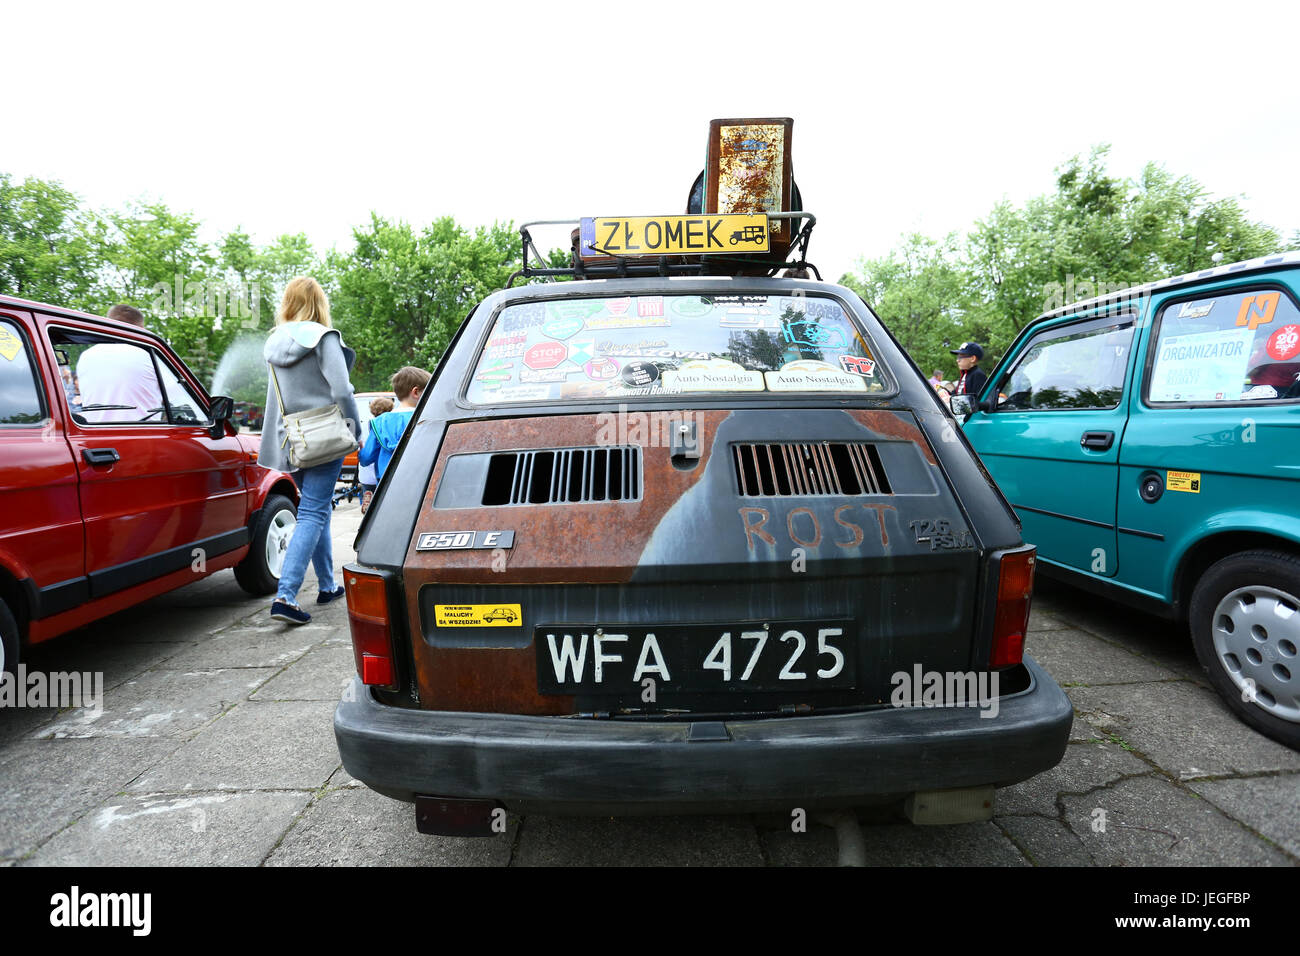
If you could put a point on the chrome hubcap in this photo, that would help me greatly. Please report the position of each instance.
(1256, 631)
(277, 539)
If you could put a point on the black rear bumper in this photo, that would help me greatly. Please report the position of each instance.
(576, 765)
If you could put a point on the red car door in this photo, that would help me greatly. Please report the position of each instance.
(41, 534)
(158, 493)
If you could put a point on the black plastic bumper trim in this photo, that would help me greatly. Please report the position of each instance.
(584, 766)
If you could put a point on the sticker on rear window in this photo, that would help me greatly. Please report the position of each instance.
(10, 344)
(618, 346)
(713, 375)
(1284, 343)
(811, 376)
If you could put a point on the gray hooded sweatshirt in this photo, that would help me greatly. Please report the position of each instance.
(311, 365)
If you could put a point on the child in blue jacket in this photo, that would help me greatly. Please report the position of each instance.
(386, 430)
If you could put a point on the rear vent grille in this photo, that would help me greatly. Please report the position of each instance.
(800, 469)
(564, 476)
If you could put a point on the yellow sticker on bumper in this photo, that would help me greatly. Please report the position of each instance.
(477, 615)
(1183, 481)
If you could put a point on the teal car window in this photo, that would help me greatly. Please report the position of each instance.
(1242, 346)
(1078, 366)
(595, 348)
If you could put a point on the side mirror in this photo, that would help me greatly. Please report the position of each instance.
(221, 411)
(963, 406)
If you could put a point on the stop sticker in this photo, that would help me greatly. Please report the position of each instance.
(546, 355)
(1284, 343)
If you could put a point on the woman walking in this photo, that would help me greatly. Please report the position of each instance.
(309, 367)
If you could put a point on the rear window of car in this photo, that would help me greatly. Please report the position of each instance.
(1241, 346)
(673, 344)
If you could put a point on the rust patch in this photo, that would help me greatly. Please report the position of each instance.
(893, 425)
(613, 535)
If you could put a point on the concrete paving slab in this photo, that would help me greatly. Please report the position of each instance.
(204, 829)
(352, 827)
(161, 703)
(320, 674)
(1268, 805)
(19, 722)
(1075, 657)
(265, 746)
(1043, 619)
(966, 844)
(1150, 821)
(341, 778)
(47, 784)
(87, 650)
(1084, 767)
(638, 841)
(272, 644)
(1161, 641)
(1183, 727)
(1045, 842)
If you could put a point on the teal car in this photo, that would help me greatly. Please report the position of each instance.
(1149, 441)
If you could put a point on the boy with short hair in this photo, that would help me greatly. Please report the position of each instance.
(386, 430)
(366, 474)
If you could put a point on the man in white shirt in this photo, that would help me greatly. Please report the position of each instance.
(116, 374)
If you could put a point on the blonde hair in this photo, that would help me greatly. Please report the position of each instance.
(304, 301)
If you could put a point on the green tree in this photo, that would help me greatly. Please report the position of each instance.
(50, 248)
(1093, 235)
(920, 293)
(400, 295)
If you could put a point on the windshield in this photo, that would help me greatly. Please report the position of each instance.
(660, 344)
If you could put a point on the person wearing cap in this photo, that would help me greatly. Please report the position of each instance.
(972, 376)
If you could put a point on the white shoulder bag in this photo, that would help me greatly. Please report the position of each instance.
(315, 436)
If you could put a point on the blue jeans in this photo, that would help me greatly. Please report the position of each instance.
(311, 535)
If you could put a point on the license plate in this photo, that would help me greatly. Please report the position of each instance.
(673, 235)
(699, 658)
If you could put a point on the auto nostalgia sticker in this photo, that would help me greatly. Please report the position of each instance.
(809, 375)
(713, 375)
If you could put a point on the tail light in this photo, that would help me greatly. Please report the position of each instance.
(372, 643)
(1011, 619)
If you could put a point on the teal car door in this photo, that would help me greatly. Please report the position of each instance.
(1052, 437)
(1212, 439)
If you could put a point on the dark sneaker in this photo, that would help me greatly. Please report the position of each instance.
(282, 611)
(324, 597)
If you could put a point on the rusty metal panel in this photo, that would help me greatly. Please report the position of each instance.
(504, 679)
(747, 170)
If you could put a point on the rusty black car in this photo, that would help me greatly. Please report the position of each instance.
(683, 535)
(673, 543)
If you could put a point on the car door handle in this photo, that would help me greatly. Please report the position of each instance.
(100, 456)
(1099, 441)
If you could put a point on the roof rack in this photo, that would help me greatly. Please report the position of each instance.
(674, 265)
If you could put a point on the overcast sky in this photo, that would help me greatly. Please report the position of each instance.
(906, 117)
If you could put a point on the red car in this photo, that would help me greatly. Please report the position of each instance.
(120, 477)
